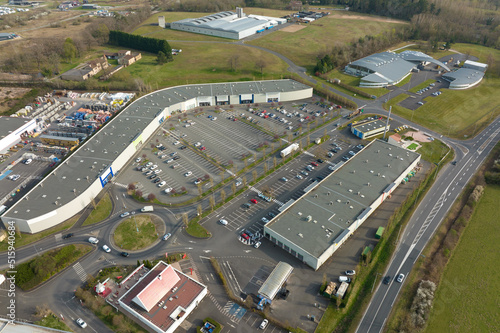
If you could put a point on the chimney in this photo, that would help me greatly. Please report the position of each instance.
(239, 11)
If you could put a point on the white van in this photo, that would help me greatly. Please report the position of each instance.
(344, 279)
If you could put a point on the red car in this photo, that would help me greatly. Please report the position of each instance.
(314, 163)
(266, 116)
(253, 201)
(245, 236)
(203, 148)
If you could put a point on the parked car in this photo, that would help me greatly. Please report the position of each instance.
(254, 201)
(238, 183)
(28, 161)
(176, 158)
(314, 163)
(223, 222)
(265, 220)
(162, 183)
(350, 272)
(187, 174)
(157, 180)
(264, 323)
(168, 190)
(257, 245)
(284, 179)
(149, 164)
(176, 143)
(157, 171)
(299, 177)
(106, 248)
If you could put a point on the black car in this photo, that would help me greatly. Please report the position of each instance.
(152, 176)
(320, 160)
(182, 147)
(387, 279)
(454, 163)
(157, 180)
(67, 236)
(124, 254)
(176, 158)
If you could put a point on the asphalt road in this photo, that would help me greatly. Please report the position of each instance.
(424, 222)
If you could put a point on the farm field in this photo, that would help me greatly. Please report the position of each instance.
(303, 46)
(467, 297)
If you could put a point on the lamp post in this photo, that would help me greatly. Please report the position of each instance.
(375, 280)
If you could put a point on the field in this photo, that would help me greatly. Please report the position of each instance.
(101, 211)
(457, 113)
(210, 64)
(303, 47)
(136, 233)
(467, 297)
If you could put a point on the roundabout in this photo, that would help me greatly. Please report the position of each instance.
(138, 232)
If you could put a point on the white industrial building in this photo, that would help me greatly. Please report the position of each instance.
(11, 130)
(228, 24)
(329, 211)
(75, 182)
(369, 129)
(470, 75)
(388, 68)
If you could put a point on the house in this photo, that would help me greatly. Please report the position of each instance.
(129, 59)
(295, 5)
(87, 71)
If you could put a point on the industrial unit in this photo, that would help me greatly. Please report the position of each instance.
(12, 128)
(388, 68)
(469, 75)
(227, 24)
(73, 184)
(329, 211)
(368, 129)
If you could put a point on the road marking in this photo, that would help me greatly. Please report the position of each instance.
(80, 271)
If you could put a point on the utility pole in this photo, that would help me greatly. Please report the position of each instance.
(387, 122)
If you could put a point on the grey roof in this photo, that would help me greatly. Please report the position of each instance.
(74, 176)
(342, 197)
(78, 71)
(9, 124)
(370, 125)
(224, 21)
(273, 283)
(392, 67)
(463, 76)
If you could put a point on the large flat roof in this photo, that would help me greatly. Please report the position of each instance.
(10, 124)
(370, 125)
(336, 202)
(464, 76)
(96, 154)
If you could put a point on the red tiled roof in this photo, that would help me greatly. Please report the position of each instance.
(160, 283)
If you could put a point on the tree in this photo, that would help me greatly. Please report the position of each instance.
(200, 190)
(222, 195)
(211, 201)
(69, 50)
(275, 162)
(185, 219)
(234, 62)
(199, 209)
(254, 176)
(131, 186)
(233, 188)
(151, 197)
(244, 180)
(261, 64)
(138, 193)
(161, 58)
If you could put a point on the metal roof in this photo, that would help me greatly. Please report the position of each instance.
(95, 155)
(318, 218)
(464, 77)
(370, 125)
(273, 283)
(10, 124)
(224, 21)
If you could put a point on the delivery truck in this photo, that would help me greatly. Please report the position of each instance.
(147, 209)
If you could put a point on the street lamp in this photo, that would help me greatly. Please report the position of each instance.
(375, 280)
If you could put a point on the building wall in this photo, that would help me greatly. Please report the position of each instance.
(280, 241)
(15, 136)
(204, 31)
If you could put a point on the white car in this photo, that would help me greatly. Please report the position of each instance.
(400, 278)
(170, 160)
(154, 167)
(264, 324)
(162, 183)
(137, 160)
(149, 164)
(93, 240)
(28, 161)
(197, 181)
(159, 145)
(197, 144)
(157, 171)
(223, 222)
(168, 190)
(15, 177)
(162, 156)
(167, 236)
(125, 214)
(176, 143)
(257, 245)
(106, 248)
(238, 183)
(299, 177)
(187, 174)
(81, 323)
(265, 220)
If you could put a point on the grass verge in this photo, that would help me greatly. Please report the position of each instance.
(52, 321)
(422, 85)
(101, 211)
(32, 273)
(136, 233)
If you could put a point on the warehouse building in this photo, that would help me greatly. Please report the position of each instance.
(470, 75)
(161, 299)
(80, 178)
(478, 66)
(388, 68)
(369, 129)
(329, 211)
(228, 24)
(13, 128)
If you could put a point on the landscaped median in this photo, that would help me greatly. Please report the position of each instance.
(101, 211)
(137, 232)
(41, 268)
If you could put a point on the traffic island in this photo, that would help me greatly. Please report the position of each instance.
(138, 232)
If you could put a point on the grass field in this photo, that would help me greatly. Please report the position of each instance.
(457, 113)
(127, 237)
(201, 63)
(52, 321)
(467, 298)
(354, 82)
(413, 146)
(101, 211)
(304, 46)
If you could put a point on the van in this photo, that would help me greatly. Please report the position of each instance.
(344, 279)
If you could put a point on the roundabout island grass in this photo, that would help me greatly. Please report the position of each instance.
(137, 232)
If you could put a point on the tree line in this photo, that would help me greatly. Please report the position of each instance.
(148, 44)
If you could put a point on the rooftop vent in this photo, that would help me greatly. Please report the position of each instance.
(308, 218)
(299, 213)
(300, 235)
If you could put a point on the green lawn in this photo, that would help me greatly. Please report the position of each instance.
(101, 211)
(127, 237)
(467, 298)
(203, 62)
(354, 82)
(412, 146)
(457, 113)
(404, 81)
(52, 321)
(433, 151)
(422, 85)
(303, 46)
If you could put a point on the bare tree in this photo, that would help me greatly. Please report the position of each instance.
(233, 188)
(223, 195)
(185, 219)
(199, 209)
(211, 201)
(151, 197)
(254, 176)
(261, 63)
(131, 186)
(234, 62)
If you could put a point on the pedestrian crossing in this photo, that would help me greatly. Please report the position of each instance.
(121, 185)
(80, 271)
